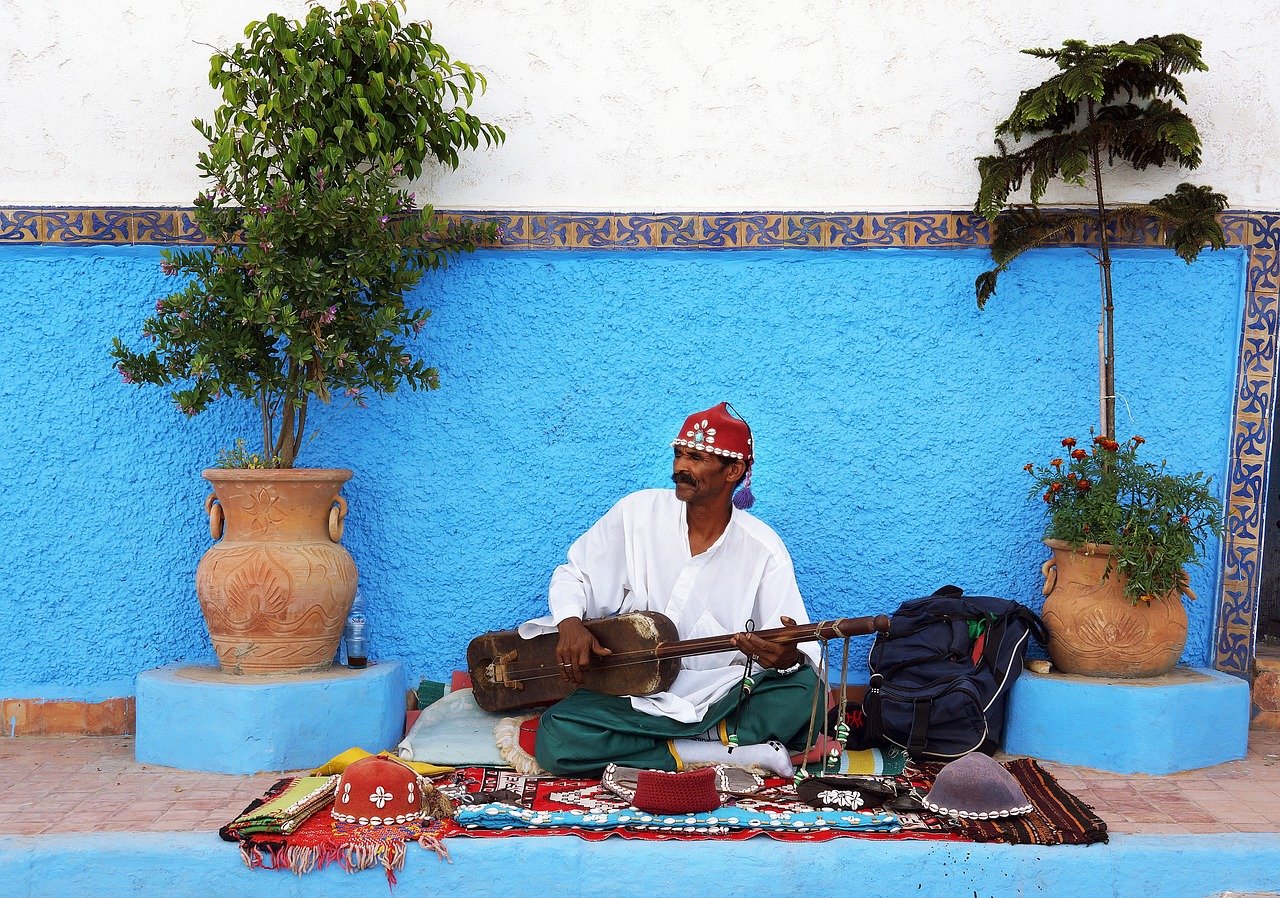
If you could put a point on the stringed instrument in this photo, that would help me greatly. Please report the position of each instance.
(509, 673)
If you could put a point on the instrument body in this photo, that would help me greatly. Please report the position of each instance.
(509, 673)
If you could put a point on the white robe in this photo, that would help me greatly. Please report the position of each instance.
(636, 558)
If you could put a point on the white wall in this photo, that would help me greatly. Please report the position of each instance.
(644, 105)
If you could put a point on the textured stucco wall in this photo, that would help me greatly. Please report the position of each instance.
(651, 104)
(892, 421)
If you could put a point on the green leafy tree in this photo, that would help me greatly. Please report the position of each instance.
(314, 242)
(1108, 103)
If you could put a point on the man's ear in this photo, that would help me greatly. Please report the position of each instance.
(736, 470)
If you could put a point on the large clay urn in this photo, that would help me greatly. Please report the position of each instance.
(1095, 630)
(277, 586)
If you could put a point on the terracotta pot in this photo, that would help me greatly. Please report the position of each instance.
(1094, 630)
(277, 587)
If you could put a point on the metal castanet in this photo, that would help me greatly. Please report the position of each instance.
(509, 673)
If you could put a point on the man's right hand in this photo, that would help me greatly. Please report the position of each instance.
(576, 648)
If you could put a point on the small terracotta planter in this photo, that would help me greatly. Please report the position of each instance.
(1094, 630)
(277, 587)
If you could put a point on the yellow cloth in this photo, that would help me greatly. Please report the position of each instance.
(339, 763)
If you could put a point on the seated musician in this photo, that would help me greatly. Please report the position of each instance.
(695, 555)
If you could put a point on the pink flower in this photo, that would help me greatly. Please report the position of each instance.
(159, 306)
(329, 315)
(125, 375)
(167, 267)
(418, 326)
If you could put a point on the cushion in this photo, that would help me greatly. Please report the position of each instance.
(454, 731)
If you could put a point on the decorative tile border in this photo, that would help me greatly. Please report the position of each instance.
(1257, 232)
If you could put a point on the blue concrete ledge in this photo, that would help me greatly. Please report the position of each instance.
(198, 718)
(186, 865)
(1190, 718)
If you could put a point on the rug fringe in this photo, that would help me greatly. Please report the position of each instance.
(303, 859)
(434, 843)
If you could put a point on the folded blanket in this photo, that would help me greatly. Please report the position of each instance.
(283, 813)
(723, 820)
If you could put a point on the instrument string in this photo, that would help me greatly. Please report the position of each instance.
(706, 645)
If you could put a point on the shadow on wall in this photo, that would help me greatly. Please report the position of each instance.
(892, 421)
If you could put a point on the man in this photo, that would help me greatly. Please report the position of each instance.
(713, 569)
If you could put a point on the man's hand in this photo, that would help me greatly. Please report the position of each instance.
(576, 648)
(766, 652)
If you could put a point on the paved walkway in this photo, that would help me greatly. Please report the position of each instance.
(92, 784)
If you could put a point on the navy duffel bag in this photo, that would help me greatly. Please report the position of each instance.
(940, 677)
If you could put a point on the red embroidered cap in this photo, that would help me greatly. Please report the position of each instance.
(718, 431)
(376, 791)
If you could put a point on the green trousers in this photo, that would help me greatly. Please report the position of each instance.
(582, 733)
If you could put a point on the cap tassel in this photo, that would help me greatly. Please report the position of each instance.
(744, 498)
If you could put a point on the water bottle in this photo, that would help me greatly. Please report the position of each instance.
(356, 635)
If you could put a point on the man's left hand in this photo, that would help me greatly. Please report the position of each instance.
(767, 653)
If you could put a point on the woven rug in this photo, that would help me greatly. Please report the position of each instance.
(1060, 818)
(322, 841)
(528, 806)
(585, 809)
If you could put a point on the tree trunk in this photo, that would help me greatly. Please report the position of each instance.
(1106, 345)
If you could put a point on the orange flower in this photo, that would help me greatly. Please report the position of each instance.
(1083, 485)
(1147, 597)
(1055, 487)
(1048, 497)
(1069, 441)
(1028, 467)
(1057, 463)
(1079, 453)
(1110, 445)
(1071, 476)
(1137, 441)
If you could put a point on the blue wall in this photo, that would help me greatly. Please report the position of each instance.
(892, 421)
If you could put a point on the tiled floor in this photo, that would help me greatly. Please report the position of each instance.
(92, 784)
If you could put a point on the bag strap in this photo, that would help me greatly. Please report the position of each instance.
(919, 727)
(871, 710)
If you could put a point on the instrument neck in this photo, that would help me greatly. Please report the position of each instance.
(831, 629)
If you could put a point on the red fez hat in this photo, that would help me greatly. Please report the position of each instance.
(720, 431)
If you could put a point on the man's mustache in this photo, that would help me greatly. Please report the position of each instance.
(680, 477)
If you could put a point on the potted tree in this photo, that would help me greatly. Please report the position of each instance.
(1107, 104)
(303, 293)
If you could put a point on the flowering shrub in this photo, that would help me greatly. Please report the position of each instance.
(1155, 522)
(315, 244)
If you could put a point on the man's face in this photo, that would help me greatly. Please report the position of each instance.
(701, 476)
